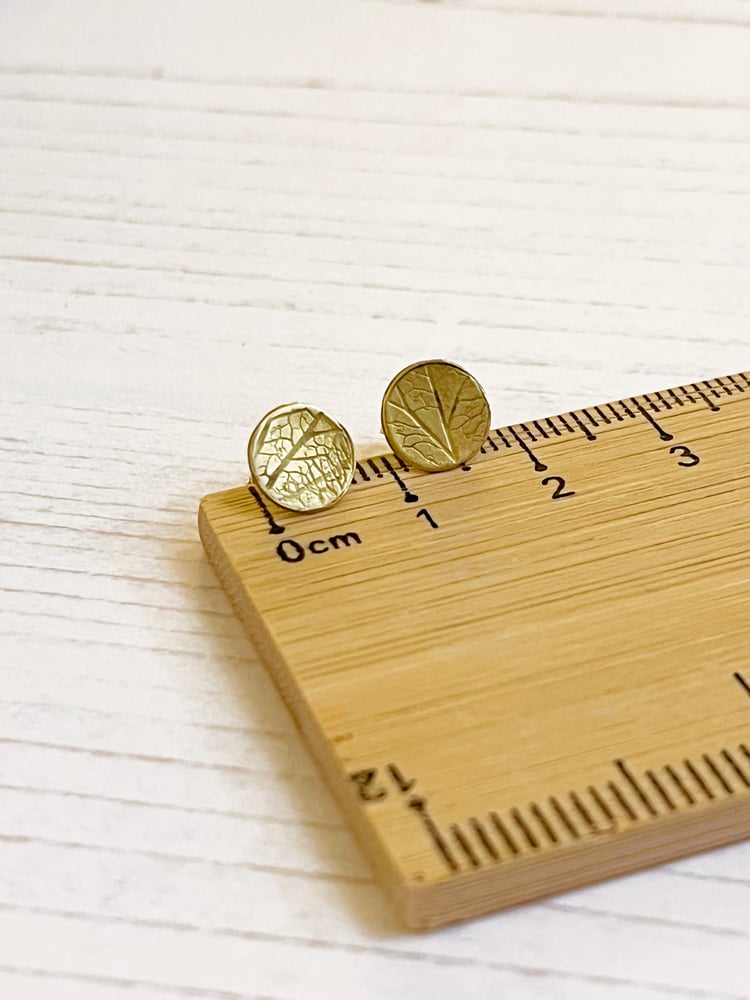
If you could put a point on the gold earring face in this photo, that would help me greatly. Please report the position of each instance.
(435, 416)
(300, 458)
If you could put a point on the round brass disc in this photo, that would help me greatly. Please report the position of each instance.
(300, 458)
(435, 416)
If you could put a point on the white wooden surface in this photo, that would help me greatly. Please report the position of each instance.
(206, 209)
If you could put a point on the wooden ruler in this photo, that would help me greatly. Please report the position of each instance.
(526, 675)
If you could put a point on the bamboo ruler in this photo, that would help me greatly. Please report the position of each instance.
(526, 675)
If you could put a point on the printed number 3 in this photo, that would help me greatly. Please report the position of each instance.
(689, 459)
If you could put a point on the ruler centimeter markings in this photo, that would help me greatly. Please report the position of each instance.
(630, 799)
(523, 438)
(527, 674)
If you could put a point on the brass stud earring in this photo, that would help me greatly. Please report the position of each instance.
(300, 458)
(435, 416)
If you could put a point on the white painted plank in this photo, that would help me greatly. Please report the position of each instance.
(202, 214)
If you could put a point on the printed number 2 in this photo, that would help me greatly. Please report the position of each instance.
(560, 484)
(689, 459)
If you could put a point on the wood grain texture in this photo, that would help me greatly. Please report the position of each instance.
(509, 695)
(205, 211)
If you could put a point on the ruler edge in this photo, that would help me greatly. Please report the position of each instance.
(519, 429)
(425, 906)
(336, 778)
(594, 860)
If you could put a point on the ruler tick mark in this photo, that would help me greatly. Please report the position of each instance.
(275, 527)
(597, 797)
(698, 778)
(544, 823)
(736, 768)
(664, 435)
(538, 465)
(631, 779)
(505, 834)
(622, 801)
(565, 819)
(661, 791)
(721, 384)
(680, 784)
(503, 438)
(528, 836)
(421, 808)
(465, 846)
(591, 420)
(709, 403)
(714, 390)
(577, 420)
(583, 812)
(409, 497)
(441, 844)
(675, 397)
(711, 765)
(484, 839)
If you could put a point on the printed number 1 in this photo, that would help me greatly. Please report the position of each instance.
(428, 517)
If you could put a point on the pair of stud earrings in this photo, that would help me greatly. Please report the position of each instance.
(435, 417)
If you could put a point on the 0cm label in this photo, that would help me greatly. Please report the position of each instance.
(291, 551)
